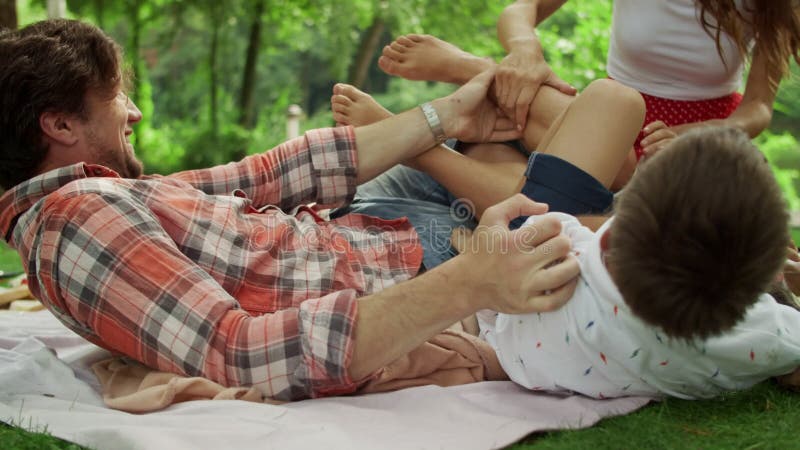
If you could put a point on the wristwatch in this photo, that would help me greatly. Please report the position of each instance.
(433, 122)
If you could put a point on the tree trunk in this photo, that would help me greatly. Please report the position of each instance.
(367, 47)
(246, 99)
(212, 72)
(134, 13)
(99, 7)
(8, 14)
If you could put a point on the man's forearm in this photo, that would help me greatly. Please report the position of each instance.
(388, 142)
(393, 322)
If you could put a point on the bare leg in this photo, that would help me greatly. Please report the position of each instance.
(351, 106)
(425, 57)
(596, 143)
(597, 130)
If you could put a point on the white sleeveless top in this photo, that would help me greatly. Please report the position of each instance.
(660, 48)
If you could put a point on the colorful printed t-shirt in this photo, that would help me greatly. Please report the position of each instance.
(595, 346)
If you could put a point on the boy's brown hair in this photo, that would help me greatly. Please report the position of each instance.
(698, 234)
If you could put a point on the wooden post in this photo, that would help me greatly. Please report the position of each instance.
(293, 114)
(56, 9)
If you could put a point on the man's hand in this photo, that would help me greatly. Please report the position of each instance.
(521, 271)
(520, 75)
(468, 115)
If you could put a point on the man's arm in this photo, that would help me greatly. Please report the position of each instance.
(324, 166)
(466, 114)
(503, 270)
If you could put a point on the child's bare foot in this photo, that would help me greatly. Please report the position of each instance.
(351, 106)
(428, 58)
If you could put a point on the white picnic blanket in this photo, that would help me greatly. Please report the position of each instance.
(46, 383)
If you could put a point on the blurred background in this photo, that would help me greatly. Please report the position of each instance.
(215, 78)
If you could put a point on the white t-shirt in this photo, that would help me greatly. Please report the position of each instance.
(595, 346)
(660, 48)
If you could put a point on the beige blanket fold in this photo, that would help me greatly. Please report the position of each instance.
(450, 358)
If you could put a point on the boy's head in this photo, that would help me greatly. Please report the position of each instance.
(698, 234)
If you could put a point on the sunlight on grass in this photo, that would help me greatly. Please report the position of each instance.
(9, 260)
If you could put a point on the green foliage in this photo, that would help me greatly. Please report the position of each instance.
(783, 153)
(575, 40)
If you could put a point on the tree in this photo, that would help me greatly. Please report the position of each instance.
(246, 97)
(8, 14)
(370, 42)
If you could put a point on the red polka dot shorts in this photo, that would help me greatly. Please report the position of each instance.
(678, 112)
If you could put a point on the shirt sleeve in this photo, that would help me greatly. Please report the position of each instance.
(107, 269)
(320, 167)
(765, 343)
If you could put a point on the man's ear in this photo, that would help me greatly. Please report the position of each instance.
(59, 127)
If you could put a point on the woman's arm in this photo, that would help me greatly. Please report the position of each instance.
(524, 70)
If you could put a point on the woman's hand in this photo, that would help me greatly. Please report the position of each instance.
(791, 269)
(656, 136)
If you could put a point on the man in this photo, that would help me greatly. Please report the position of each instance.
(202, 273)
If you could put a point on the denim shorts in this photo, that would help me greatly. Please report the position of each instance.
(564, 187)
(431, 209)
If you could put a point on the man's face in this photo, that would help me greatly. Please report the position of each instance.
(107, 130)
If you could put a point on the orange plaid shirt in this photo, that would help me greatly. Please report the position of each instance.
(220, 273)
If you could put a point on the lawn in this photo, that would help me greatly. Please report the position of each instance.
(765, 417)
(9, 260)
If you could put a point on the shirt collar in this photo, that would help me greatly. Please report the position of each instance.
(23, 196)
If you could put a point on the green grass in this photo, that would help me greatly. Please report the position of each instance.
(765, 417)
(13, 438)
(9, 260)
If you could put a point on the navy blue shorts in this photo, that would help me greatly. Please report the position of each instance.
(563, 186)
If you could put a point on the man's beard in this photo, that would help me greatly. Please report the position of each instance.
(124, 163)
(133, 168)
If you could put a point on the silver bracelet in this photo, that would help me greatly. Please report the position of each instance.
(433, 122)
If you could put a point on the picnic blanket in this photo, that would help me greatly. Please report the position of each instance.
(47, 382)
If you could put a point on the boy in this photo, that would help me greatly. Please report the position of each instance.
(670, 299)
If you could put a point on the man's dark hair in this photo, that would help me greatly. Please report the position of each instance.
(47, 66)
(698, 234)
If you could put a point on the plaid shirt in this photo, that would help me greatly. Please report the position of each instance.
(202, 273)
